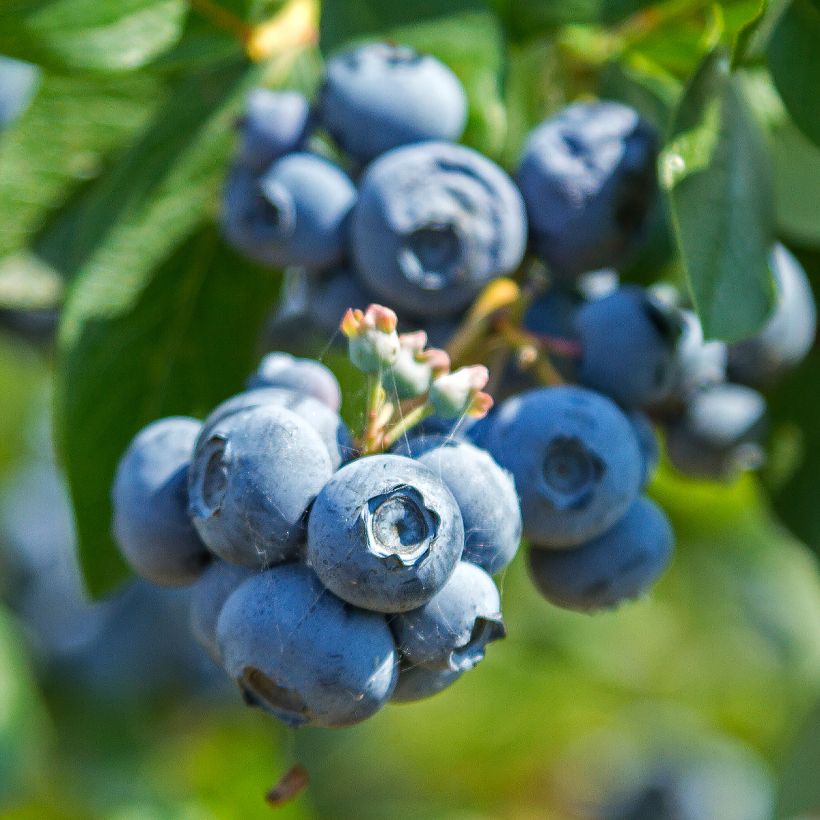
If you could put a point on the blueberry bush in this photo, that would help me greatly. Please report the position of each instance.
(387, 342)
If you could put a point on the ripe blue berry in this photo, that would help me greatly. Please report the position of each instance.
(719, 433)
(385, 534)
(647, 444)
(275, 123)
(628, 346)
(574, 458)
(380, 96)
(208, 596)
(698, 363)
(617, 565)
(296, 213)
(434, 223)
(305, 376)
(331, 296)
(150, 498)
(451, 631)
(418, 682)
(485, 494)
(554, 313)
(332, 430)
(788, 335)
(252, 478)
(303, 655)
(588, 178)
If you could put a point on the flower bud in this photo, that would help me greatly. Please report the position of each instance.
(415, 368)
(373, 343)
(459, 393)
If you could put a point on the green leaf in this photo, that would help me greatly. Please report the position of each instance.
(107, 35)
(716, 171)
(799, 787)
(178, 345)
(23, 724)
(797, 182)
(530, 19)
(642, 85)
(794, 60)
(752, 37)
(63, 140)
(161, 318)
(532, 91)
(464, 34)
(793, 408)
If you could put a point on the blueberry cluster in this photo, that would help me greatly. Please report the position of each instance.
(335, 572)
(330, 576)
(414, 220)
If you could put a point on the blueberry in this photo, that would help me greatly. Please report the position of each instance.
(417, 683)
(451, 631)
(486, 496)
(647, 444)
(331, 296)
(628, 346)
(18, 84)
(596, 284)
(588, 179)
(574, 458)
(305, 376)
(295, 214)
(332, 430)
(208, 596)
(434, 223)
(616, 566)
(380, 96)
(789, 333)
(554, 313)
(385, 534)
(303, 655)
(275, 123)
(698, 362)
(252, 478)
(719, 433)
(150, 500)
(435, 431)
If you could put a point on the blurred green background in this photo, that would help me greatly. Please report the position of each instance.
(109, 185)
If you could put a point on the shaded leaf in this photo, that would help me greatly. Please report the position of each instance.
(716, 170)
(179, 345)
(794, 60)
(533, 18)
(161, 318)
(800, 788)
(797, 183)
(794, 408)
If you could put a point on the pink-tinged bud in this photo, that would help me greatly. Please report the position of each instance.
(373, 343)
(351, 322)
(415, 368)
(377, 317)
(414, 342)
(481, 405)
(460, 393)
(437, 360)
